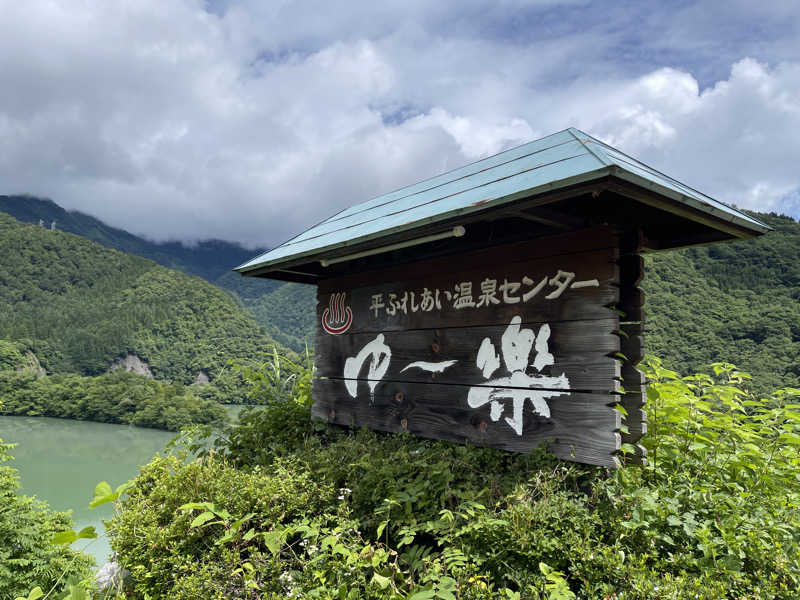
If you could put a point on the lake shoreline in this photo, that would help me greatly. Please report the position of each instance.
(60, 461)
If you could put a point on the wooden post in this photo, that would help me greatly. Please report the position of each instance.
(631, 306)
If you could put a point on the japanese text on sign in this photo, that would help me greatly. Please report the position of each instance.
(488, 293)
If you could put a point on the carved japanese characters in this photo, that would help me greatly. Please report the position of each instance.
(378, 354)
(502, 347)
(518, 386)
(490, 294)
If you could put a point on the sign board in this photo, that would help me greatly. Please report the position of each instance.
(508, 347)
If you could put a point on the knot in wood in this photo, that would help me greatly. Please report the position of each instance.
(398, 397)
(435, 347)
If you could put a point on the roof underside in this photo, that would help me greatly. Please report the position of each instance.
(566, 180)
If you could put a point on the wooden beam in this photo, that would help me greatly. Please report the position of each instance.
(633, 191)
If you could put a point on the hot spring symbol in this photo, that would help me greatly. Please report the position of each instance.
(337, 318)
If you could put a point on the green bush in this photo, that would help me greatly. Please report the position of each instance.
(11, 356)
(170, 558)
(284, 507)
(27, 558)
(113, 398)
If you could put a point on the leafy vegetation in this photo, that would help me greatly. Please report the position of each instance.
(737, 302)
(259, 382)
(286, 508)
(283, 507)
(12, 356)
(282, 309)
(113, 398)
(80, 307)
(27, 559)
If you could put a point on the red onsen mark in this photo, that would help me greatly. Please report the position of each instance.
(337, 318)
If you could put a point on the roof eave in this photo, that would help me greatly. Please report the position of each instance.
(317, 253)
(741, 226)
(750, 225)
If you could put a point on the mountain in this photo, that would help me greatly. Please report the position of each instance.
(211, 259)
(208, 259)
(735, 302)
(80, 308)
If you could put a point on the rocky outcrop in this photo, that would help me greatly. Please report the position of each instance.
(132, 364)
(111, 576)
(33, 364)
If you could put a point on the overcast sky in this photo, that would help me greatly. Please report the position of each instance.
(252, 120)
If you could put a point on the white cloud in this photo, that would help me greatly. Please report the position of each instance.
(252, 122)
(476, 137)
(735, 141)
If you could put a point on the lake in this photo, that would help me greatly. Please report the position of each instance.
(60, 461)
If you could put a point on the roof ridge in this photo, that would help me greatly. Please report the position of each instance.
(359, 207)
(599, 155)
(636, 161)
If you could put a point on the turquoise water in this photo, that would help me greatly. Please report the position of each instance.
(60, 461)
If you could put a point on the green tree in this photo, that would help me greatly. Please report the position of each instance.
(27, 558)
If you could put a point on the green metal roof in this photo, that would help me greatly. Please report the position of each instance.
(556, 161)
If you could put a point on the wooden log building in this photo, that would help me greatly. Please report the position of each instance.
(499, 303)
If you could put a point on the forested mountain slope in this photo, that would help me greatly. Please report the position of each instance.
(80, 307)
(211, 259)
(736, 302)
(288, 312)
(208, 259)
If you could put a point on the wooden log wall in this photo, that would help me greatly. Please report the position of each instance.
(632, 316)
(508, 347)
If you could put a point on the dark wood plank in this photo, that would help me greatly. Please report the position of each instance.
(636, 422)
(632, 400)
(589, 456)
(550, 248)
(633, 382)
(579, 287)
(632, 346)
(631, 273)
(583, 425)
(632, 328)
(579, 350)
(631, 242)
(631, 270)
(631, 303)
(632, 378)
(532, 357)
